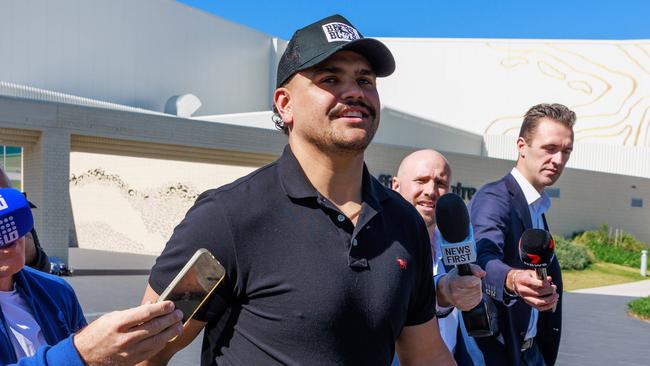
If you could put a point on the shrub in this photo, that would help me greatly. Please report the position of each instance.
(623, 249)
(612, 254)
(571, 255)
(640, 307)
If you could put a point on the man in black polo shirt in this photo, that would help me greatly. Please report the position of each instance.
(324, 265)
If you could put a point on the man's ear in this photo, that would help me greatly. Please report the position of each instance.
(521, 147)
(394, 184)
(282, 101)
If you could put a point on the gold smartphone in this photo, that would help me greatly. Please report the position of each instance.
(194, 283)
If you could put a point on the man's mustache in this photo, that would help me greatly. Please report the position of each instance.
(336, 111)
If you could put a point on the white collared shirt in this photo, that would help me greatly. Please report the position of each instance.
(449, 324)
(538, 204)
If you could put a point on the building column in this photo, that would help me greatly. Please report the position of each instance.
(46, 172)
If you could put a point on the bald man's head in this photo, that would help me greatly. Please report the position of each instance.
(422, 178)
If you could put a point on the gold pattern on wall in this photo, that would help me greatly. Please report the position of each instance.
(515, 61)
(610, 126)
(634, 59)
(616, 110)
(561, 63)
(512, 122)
(607, 85)
(549, 70)
(626, 131)
(582, 86)
(645, 123)
(578, 130)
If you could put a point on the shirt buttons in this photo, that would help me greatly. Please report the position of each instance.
(341, 218)
(354, 242)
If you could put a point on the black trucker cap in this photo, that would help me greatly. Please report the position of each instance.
(316, 42)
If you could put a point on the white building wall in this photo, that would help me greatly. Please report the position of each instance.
(137, 53)
(632, 161)
(407, 130)
(486, 85)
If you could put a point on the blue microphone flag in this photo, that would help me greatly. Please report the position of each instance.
(15, 216)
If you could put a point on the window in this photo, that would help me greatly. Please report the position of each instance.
(637, 202)
(11, 162)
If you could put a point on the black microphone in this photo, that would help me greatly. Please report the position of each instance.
(452, 219)
(459, 249)
(536, 250)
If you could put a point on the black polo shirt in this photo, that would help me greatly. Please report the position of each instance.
(304, 285)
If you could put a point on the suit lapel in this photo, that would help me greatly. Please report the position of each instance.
(519, 201)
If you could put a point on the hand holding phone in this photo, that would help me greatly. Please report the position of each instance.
(194, 283)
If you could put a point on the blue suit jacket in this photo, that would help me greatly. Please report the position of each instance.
(499, 215)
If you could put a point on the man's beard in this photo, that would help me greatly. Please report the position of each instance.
(331, 142)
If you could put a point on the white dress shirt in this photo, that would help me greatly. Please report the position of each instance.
(538, 204)
(449, 324)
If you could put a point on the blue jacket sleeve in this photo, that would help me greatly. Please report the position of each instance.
(490, 216)
(63, 353)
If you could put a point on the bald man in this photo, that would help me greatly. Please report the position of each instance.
(35, 256)
(422, 178)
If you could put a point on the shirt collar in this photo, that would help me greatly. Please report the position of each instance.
(435, 243)
(533, 198)
(296, 185)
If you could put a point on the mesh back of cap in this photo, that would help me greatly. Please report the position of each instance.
(289, 62)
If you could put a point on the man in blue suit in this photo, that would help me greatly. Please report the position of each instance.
(528, 310)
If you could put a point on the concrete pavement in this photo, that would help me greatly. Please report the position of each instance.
(596, 330)
(89, 262)
(631, 289)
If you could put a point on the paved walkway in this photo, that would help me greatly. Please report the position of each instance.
(596, 330)
(86, 262)
(631, 289)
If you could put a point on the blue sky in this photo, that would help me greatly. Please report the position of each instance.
(552, 19)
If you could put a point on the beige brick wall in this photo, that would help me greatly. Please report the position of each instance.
(46, 165)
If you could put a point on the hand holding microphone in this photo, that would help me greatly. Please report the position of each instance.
(534, 286)
(461, 291)
(458, 249)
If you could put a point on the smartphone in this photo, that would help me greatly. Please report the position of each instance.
(194, 283)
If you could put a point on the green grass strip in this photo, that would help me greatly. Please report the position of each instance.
(640, 307)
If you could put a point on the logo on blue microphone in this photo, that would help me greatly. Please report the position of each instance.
(16, 218)
(8, 230)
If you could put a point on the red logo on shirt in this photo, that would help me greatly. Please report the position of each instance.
(401, 262)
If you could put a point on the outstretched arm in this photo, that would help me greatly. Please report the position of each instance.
(422, 345)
